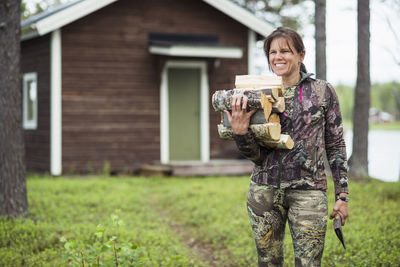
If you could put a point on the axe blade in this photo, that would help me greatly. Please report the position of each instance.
(337, 225)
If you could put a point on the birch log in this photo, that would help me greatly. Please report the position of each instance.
(262, 132)
(279, 105)
(285, 142)
(222, 100)
(257, 81)
(274, 118)
(266, 105)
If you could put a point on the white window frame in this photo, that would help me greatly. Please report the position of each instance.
(29, 124)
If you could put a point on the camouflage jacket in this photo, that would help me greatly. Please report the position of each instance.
(312, 118)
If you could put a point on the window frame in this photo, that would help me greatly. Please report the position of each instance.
(29, 124)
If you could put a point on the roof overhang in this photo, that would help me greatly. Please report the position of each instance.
(197, 51)
(52, 20)
(59, 18)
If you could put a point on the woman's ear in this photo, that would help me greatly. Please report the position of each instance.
(302, 55)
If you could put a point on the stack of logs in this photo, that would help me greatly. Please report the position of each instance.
(265, 94)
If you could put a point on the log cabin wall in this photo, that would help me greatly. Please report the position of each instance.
(35, 57)
(111, 83)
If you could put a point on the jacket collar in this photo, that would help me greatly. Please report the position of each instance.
(305, 76)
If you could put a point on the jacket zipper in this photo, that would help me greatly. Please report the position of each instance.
(280, 171)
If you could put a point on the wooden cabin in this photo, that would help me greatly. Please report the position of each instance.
(123, 83)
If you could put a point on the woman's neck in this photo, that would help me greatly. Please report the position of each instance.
(292, 80)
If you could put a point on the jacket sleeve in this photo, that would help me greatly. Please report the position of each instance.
(248, 147)
(334, 142)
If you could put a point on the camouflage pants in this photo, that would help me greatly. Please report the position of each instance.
(307, 213)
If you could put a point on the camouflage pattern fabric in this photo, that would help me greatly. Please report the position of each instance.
(307, 213)
(312, 118)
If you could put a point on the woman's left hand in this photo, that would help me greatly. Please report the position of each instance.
(341, 208)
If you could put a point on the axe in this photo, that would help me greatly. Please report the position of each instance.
(337, 225)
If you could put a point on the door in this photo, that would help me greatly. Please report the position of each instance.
(184, 113)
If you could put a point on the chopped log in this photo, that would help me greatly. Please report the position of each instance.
(285, 142)
(222, 99)
(267, 131)
(224, 132)
(262, 132)
(274, 118)
(279, 105)
(272, 93)
(257, 81)
(266, 105)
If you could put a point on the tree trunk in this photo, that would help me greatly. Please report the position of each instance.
(12, 169)
(358, 162)
(320, 39)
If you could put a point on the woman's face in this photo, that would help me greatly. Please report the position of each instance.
(284, 59)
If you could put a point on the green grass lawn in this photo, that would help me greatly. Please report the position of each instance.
(182, 222)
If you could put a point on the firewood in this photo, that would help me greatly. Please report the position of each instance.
(274, 118)
(222, 100)
(257, 81)
(225, 132)
(279, 105)
(285, 142)
(262, 132)
(266, 105)
(267, 131)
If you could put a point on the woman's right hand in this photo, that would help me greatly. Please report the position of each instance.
(240, 118)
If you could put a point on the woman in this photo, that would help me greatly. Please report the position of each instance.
(290, 185)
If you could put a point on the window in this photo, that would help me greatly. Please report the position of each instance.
(29, 95)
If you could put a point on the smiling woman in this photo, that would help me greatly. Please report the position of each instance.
(285, 61)
(289, 185)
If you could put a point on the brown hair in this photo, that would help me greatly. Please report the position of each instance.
(287, 34)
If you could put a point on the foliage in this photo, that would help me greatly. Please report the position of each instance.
(38, 6)
(162, 214)
(290, 13)
(105, 250)
(384, 96)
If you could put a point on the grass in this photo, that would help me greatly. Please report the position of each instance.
(186, 222)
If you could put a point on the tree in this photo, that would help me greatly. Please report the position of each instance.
(12, 169)
(320, 39)
(38, 7)
(359, 159)
(290, 13)
(391, 8)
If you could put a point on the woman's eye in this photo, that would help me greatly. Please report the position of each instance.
(272, 52)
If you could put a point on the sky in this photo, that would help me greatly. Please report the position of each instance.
(341, 28)
(341, 51)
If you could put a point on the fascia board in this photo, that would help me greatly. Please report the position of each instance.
(197, 51)
(242, 15)
(69, 15)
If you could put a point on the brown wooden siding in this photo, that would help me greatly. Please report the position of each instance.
(35, 57)
(111, 82)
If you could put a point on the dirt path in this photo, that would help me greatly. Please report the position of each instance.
(205, 252)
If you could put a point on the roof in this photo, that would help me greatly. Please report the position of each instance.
(60, 16)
